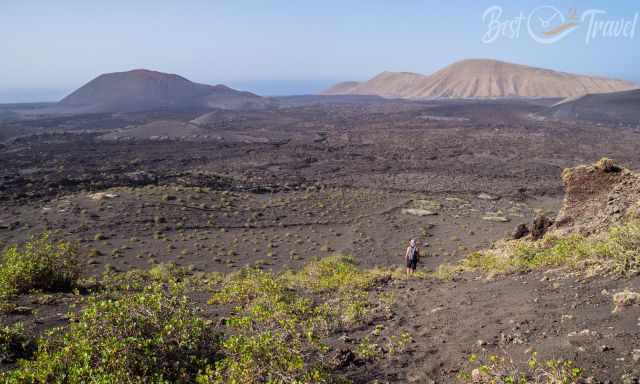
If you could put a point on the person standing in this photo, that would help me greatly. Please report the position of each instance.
(411, 257)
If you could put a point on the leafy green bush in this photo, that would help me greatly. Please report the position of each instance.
(502, 370)
(274, 334)
(14, 343)
(346, 287)
(622, 247)
(263, 358)
(144, 337)
(270, 328)
(368, 350)
(334, 273)
(136, 280)
(398, 344)
(40, 264)
(279, 321)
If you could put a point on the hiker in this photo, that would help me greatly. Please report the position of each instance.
(411, 257)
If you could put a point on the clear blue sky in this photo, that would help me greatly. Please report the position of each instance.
(278, 47)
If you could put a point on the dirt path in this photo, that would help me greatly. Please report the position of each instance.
(514, 315)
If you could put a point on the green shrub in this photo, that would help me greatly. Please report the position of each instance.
(247, 285)
(40, 264)
(262, 358)
(280, 321)
(398, 344)
(446, 271)
(14, 343)
(335, 273)
(622, 247)
(274, 334)
(368, 350)
(345, 286)
(503, 370)
(136, 280)
(144, 337)
(270, 328)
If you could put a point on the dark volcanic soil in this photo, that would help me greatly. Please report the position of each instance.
(554, 314)
(277, 187)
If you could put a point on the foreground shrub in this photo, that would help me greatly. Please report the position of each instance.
(145, 337)
(279, 321)
(263, 358)
(502, 370)
(14, 343)
(270, 328)
(274, 334)
(39, 264)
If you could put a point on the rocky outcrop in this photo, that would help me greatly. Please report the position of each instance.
(522, 230)
(540, 226)
(597, 197)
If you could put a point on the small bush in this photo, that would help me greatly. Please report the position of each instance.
(621, 246)
(40, 264)
(346, 285)
(398, 344)
(502, 370)
(607, 165)
(625, 298)
(99, 237)
(335, 273)
(446, 272)
(368, 350)
(14, 344)
(136, 280)
(145, 337)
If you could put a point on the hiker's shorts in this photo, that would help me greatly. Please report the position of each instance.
(412, 263)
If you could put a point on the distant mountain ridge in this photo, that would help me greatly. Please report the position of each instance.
(622, 107)
(477, 78)
(142, 90)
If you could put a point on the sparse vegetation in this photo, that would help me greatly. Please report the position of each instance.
(446, 271)
(327, 317)
(503, 370)
(616, 251)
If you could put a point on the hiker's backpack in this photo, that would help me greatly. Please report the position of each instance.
(414, 254)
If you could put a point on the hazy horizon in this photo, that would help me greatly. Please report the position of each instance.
(280, 48)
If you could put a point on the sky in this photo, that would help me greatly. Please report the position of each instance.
(49, 48)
